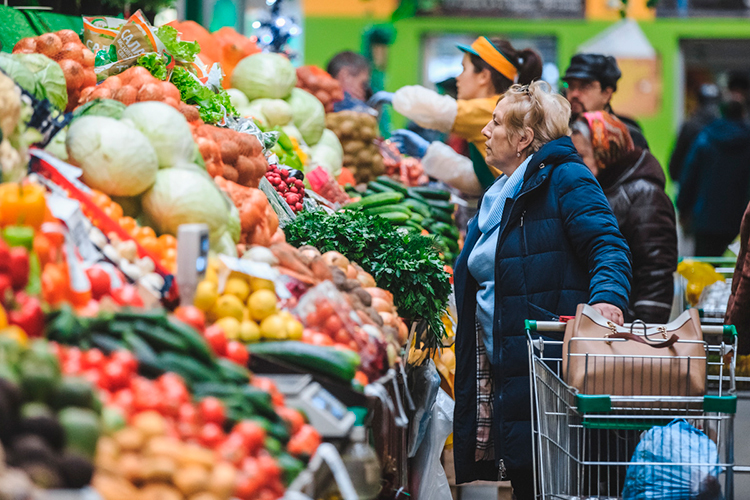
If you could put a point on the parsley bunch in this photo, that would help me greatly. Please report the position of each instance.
(406, 265)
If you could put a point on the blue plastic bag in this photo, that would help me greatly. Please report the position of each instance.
(675, 443)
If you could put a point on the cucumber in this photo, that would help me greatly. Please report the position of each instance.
(106, 344)
(232, 372)
(418, 218)
(379, 188)
(395, 217)
(148, 361)
(217, 389)
(118, 327)
(442, 205)
(393, 184)
(152, 315)
(451, 245)
(188, 368)
(446, 230)
(197, 345)
(325, 360)
(416, 196)
(442, 216)
(376, 200)
(414, 225)
(388, 208)
(417, 206)
(367, 192)
(160, 338)
(431, 193)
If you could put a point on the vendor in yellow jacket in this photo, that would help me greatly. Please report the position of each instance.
(490, 67)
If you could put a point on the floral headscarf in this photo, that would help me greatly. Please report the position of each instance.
(610, 138)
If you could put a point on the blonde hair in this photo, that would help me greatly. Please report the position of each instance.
(535, 106)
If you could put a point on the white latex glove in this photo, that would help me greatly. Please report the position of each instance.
(426, 107)
(444, 164)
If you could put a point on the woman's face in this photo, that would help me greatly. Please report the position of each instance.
(586, 150)
(502, 152)
(470, 84)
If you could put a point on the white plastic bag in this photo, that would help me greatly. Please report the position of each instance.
(428, 479)
(444, 164)
(426, 107)
(424, 382)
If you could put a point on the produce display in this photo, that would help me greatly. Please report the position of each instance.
(133, 85)
(235, 156)
(287, 184)
(320, 84)
(357, 133)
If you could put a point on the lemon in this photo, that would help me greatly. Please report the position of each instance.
(228, 305)
(249, 331)
(231, 327)
(205, 295)
(294, 329)
(262, 284)
(212, 276)
(237, 287)
(262, 304)
(273, 328)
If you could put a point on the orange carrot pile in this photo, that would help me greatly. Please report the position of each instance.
(76, 61)
(322, 85)
(135, 84)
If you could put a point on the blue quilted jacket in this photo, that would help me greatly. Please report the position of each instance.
(558, 246)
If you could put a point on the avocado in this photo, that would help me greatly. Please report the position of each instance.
(82, 430)
(73, 391)
(38, 379)
(30, 448)
(76, 470)
(8, 418)
(38, 419)
(112, 420)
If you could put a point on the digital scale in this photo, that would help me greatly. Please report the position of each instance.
(192, 259)
(326, 413)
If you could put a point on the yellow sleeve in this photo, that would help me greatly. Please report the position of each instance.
(472, 116)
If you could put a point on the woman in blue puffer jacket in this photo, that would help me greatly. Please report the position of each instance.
(544, 241)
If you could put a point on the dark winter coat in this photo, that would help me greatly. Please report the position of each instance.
(738, 309)
(715, 181)
(688, 132)
(558, 246)
(645, 214)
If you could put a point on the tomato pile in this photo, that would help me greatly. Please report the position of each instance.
(291, 188)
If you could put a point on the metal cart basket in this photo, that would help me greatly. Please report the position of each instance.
(584, 443)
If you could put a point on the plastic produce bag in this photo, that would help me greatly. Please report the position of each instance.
(675, 443)
(699, 276)
(424, 382)
(426, 471)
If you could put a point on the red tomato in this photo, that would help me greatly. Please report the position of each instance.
(211, 435)
(237, 352)
(187, 430)
(127, 295)
(333, 324)
(123, 399)
(216, 339)
(247, 485)
(321, 339)
(93, 358)
(72, 366)
(304, 442)
(253, 434)
(187, 413)
(115, 376)
(342, 336)
(94, 377)
(211, 410)
(192, 316)
(100, 282)
(146, 396)
(291, 417)
(233, 449)
(325, 309)
(269, 468)
(127, 360)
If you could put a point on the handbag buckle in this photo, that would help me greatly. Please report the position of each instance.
(663, 331)
(613, 329)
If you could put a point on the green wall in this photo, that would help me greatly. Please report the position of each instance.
(326, 36)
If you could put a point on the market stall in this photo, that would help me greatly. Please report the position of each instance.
(212, 287)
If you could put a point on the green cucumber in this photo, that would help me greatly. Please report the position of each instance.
(106, 344)
(367, 192)
(432, 193)
(148, 361)
(232, 372)
(376, 200)
(393, 184)
(418, 218)
(447, 230)
(157, 316)
(196, 343)
(450, 244)
(188, 368)
(414, 225)
(417, 206)
(379, 188)
(160, 338)
(442, 216)
(118, 327)
(217, 389)
(325, 360)
(388, 208)
(395, 217)
(442, 205)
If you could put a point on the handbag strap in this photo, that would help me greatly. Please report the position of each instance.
(631, 336)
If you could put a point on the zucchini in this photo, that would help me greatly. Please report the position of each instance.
(160, 338)
(388, 208)
(417, 206)
(325, 360)
(393, 184)
(197, 345)
(379, 188)
(431, 193)
(395, 217)
(232, 372)
(188, 368)
(376, 200)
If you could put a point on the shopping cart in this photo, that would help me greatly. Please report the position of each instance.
(584, 443)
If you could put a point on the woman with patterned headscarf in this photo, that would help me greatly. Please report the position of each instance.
(633, 181)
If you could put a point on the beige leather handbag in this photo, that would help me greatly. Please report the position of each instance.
(600, 357)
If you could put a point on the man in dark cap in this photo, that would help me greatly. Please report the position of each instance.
(591, 80)
(709, 97)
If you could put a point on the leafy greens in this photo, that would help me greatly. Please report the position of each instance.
(406, 265)
(213, 107)
(182, 51)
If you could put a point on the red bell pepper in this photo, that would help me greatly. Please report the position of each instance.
(28, 315)
(19, 267)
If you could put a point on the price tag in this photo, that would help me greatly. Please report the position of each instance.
(69, 211)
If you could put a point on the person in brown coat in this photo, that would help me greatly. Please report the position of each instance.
(738, 309)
